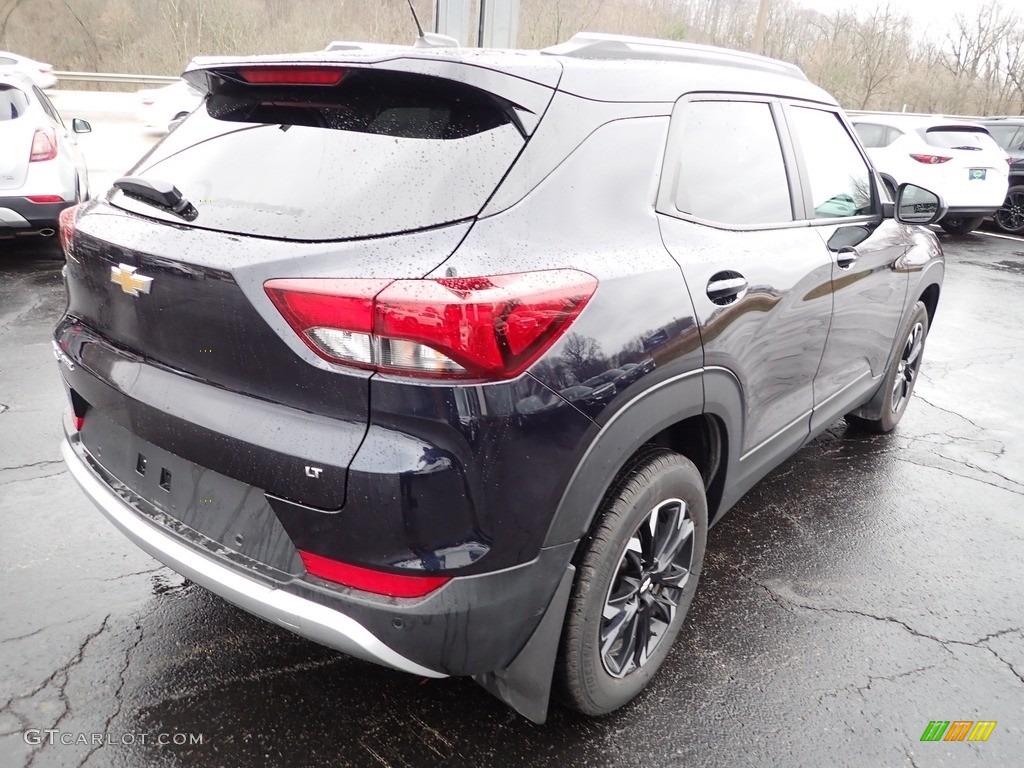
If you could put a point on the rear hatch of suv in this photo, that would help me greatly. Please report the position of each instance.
(970, 161)
(16, 132)
(363, 169)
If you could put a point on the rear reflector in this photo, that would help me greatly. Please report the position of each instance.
(44, 145)
(66, 227)
(931, 159)
(369, 580)
(292, 75)
(78, 422)
(45, 199)
(468, 328)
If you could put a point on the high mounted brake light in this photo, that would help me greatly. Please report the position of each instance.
(292, 75)
(450, 328)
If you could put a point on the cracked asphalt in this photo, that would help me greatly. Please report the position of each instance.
(868, 586)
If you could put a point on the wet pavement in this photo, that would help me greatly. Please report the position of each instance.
(868, 586)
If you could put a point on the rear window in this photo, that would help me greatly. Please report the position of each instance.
(13, 103)
(381, 152)
(959, 137)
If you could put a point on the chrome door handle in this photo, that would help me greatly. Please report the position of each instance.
(846, 257)
(725, 287)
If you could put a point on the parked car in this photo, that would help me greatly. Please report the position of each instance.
(306, 338)
(39, 73)
(1008, 133)
(957, 159)
(161, 109)
(42, 172)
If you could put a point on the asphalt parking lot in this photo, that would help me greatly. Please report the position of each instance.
(870, 585)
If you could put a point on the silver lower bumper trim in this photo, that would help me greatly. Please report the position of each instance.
(304, 617)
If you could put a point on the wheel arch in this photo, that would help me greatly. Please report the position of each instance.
(674, 414)
(930, 297)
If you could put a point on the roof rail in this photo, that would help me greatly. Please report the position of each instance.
(594, 45)
(883, 113)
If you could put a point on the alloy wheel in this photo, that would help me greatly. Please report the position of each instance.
(1011, 216)
(910, 363)
(644, 594)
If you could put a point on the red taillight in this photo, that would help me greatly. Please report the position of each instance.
(482, 327)
(44, 145)
(78, 422)
(45, 198)
(930, 159)
(370, 580)
(66, 226)
(292, 75)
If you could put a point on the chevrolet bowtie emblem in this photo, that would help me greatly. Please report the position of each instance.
(130, 282)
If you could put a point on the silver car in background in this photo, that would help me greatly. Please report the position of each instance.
(40, 73)
(42, 171)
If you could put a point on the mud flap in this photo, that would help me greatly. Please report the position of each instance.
(525, 684)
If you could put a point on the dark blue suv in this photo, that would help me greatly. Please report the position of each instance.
(448, 358)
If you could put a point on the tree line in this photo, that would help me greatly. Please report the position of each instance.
(874, 60)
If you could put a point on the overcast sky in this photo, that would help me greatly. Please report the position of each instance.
(933, 15)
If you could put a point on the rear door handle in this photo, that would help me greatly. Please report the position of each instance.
(726, 287)
(846, 257)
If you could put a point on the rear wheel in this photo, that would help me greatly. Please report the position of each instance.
(638, 571)
(899, 381)
(961, 225)
(1010, 217)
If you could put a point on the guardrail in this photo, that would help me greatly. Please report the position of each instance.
(106, 77)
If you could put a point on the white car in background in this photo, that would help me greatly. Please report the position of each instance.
(42, 172)
(39, 73)
(162, 109)
(957, 159)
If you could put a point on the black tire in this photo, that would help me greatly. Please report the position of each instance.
(1010, 218)
(900, 378)
(666, 487)
(961, 225)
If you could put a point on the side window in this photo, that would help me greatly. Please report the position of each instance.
(730, 168)
(892, 135)
(839, 178)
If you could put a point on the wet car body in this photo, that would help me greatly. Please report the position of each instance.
(405, 519)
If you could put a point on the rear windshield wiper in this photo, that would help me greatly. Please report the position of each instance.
(162, 194)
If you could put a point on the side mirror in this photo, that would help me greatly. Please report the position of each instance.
(917, 205)
(78, 125)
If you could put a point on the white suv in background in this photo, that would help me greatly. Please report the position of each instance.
(957, 159)
(42, 171)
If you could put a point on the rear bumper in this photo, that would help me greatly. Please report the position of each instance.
(971, 210)
(300, 615)
(470, 626)
(20, 214)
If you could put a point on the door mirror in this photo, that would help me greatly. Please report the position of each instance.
(916, 205)
(78, 125)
